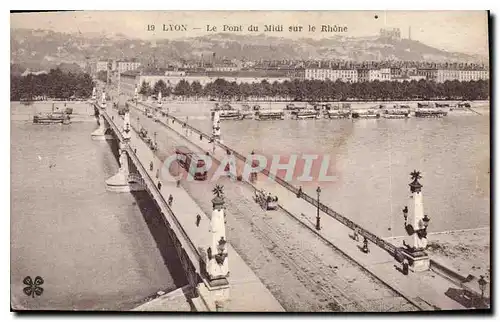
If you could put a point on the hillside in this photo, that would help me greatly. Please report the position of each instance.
(42, 49)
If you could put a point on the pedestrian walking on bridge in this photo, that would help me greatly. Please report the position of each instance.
(151, 166)
(299, 193)
(170, 199)
(365, 246)
(159, 185)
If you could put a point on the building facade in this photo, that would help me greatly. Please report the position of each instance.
(428, 73)
(345, 75)
(123, 66)
(443, 75)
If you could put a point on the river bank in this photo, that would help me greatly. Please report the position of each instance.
(466, 250)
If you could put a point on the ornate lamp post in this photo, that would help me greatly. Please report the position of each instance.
(420, 224)
(318, 224)
(416, 224)
(217, 252)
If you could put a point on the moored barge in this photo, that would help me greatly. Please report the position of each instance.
(269, 115)
(337, 111)
(365, 114)
(397, 112)
(306, 114)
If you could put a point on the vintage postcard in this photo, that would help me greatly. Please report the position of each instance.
(250, 161)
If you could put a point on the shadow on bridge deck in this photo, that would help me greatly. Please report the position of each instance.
(157, 227)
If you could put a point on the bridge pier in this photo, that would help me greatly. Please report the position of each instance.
(124, 181)
(120, 181)
(100, 134)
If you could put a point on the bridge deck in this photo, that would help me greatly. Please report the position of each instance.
(380, 262)
(247, 293)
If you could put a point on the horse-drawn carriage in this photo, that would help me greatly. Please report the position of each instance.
(267, 202)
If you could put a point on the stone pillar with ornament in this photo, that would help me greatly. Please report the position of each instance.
(120, 182)
(103, 100)
(215, 125)
(215, 290)
(136, 94)
(126, 126)
(159, 99)
(416, 223)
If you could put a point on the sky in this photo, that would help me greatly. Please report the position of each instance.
(460, 31)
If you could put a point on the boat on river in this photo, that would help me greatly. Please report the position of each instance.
(397, 112)
(307, 114)
(54, 117)
(337, 111)
(231, 115)
(264, 115)
(429, 110)
(366, 114)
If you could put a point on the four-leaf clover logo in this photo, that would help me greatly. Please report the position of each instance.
(33, 288)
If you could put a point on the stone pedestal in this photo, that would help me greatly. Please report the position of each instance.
(214, 294)
(419, 260)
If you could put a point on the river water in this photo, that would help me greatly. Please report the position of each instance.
(372, 160)
(95, 250)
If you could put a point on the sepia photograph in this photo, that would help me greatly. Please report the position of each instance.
(250, 161)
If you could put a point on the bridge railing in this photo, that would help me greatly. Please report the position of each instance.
(390, 248)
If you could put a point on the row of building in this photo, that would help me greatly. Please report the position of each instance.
(132, 74)
(395, 74)
(129, 80)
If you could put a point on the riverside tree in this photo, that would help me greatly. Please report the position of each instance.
(145, 89)
(161, 86)
(319, 90)
(56, 84)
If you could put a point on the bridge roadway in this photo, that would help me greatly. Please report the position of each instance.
(247, 293)
(425, 290)
(301, 269)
